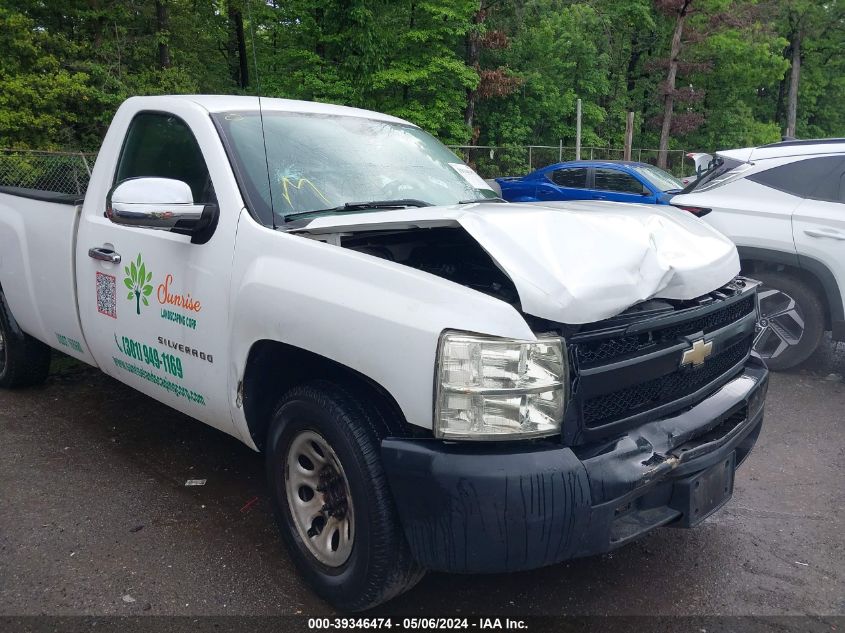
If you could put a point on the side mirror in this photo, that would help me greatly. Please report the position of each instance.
(646, 191)
(163, 204)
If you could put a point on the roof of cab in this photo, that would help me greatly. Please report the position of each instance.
(239, 103)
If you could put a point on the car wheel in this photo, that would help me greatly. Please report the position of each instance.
(331, 498)
(791, 323)
(24, 361)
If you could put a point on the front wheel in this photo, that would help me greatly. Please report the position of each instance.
(791, 323)
(331, 498)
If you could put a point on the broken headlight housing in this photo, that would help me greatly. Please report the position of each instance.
(499, 389)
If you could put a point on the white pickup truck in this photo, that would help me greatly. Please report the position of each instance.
(439, 380)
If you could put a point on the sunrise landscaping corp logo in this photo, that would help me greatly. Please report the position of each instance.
(137, 281)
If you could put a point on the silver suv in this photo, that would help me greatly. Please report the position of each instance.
(784, 206)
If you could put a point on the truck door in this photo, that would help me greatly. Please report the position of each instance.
(154, 305)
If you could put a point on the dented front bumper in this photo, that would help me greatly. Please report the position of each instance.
(492, 508)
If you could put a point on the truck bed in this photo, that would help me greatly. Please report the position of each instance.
(37, 265)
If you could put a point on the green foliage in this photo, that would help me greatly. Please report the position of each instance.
(38, 97)
(67, 65)
(744, 62)
(424, 79)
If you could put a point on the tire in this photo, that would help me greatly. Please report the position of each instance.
(791, 324)
(24, 361)
(353, 552)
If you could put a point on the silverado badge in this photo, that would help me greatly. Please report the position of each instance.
(697, 354)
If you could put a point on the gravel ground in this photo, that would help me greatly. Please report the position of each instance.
(95, 519)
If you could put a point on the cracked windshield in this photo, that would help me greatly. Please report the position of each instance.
(326, 164)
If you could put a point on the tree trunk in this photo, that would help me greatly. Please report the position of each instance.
(669, 98)
(320, 44)
(275, 38)
(630, 69)
(794, 81)
(162, 30)
(406, 91)
(472, 61)
(242, 58)
(779, 103)
(237, 48)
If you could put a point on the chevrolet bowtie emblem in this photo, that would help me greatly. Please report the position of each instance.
(697, 354)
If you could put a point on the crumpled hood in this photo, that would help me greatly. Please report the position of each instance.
(577, 262)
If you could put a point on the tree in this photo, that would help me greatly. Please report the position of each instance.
(678, 9)
(704, 74)
(236, 49)
(162, 30)
(39, 98)
(746, 63)
(804, 22)
(425, 79)
(701, 31)
(492, 82)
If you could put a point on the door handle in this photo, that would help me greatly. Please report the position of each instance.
(104, 255)
(599, 198)
(831, 233)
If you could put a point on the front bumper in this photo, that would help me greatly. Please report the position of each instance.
(506, 507)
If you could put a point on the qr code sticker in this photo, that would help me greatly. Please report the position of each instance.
(106, 290)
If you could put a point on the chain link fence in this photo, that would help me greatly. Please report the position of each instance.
(69, 172)
(494, 161)
(62, 172)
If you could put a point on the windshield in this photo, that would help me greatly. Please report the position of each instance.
(319, 163)
(664, 181)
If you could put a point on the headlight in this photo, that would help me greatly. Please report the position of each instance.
(499, 389)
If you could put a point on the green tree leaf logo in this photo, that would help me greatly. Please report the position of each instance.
(137, 281)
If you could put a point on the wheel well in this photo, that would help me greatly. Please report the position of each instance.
(751, 266)
(272, 368)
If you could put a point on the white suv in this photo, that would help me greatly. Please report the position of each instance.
(784, 206)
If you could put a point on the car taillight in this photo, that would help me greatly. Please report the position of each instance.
(696, 211)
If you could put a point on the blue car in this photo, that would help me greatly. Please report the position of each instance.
(616, 181)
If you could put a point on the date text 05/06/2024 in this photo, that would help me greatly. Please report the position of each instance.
(317, 624)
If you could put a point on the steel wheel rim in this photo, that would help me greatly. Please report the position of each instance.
(781, 323)
(319, 499)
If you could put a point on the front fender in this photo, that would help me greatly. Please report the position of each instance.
(377, 317)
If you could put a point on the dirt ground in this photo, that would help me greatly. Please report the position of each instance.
(95, 519)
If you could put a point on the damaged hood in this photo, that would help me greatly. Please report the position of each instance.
(576, 262)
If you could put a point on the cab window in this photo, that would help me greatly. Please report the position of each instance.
(161, 145)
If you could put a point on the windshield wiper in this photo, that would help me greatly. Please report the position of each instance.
(403, 203)
(705, 175)
(494, 199)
